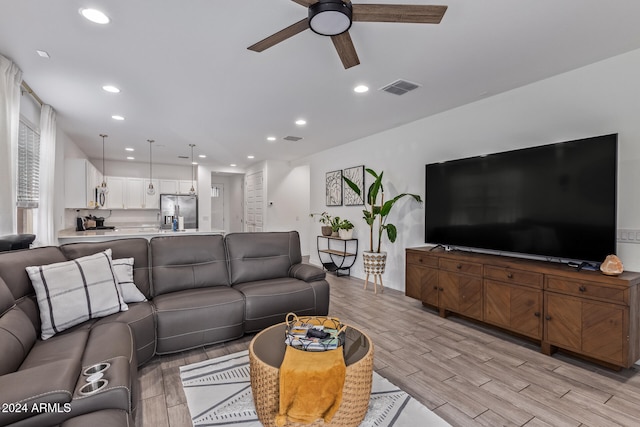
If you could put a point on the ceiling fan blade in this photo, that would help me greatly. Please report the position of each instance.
(420, 14)
(346, 50)
(281, 35)
(305, 3)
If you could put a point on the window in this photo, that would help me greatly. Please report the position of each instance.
(28, 181)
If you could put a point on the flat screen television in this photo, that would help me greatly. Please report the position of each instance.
(556, 201)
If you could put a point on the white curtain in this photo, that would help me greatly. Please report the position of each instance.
(10, 80)
(44, 227)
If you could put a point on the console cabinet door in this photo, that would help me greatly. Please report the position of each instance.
(513, 307)
(605, 334)
(413, 281)
(460, 293)
(595, 329)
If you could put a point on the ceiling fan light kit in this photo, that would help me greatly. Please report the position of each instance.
(333, 18)
(330, 17)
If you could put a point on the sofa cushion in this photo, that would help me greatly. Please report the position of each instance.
(73, 292)
(123, 268)
(17, 336)
(197, 317)
(136, 248)
(258, 256)
(141, 320)
(17, 333)
(267, 302)
(12, 271)
(187, 262)
(49, 383)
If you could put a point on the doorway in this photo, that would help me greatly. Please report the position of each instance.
(217, 207)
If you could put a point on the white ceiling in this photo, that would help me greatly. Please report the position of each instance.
(187, 77)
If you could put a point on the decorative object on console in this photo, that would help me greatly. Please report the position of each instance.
(345, 230)
(334, 188)
(325, 218)
(150, 190)
(356, 175)
(103, 189)
(612, 266)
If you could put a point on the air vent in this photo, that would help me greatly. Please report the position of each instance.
(183, 157)
(292, 138)
(400, 87)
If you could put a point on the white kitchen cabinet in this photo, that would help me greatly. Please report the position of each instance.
(184, 186)
(115, 199)
(81, 180)
(168, 186)
(134, 193)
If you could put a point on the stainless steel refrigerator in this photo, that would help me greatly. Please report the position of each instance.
(176, 205)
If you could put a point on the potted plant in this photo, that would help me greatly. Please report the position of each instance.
(325, 219)
(335, 226)
(346, 229)
(376, 214)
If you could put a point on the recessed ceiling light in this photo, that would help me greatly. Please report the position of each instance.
(117, 117)
(233, 165)
(95, 16)
(301, 122)
(130, 149)
(361, 89)
(271, 138)
(251, 157)
(43, 54)
(130, 158)
(110, 88)
(194, 163)
(202, 156)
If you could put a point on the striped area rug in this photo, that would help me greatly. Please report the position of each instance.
(219, 394)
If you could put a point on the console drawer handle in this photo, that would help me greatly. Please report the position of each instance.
(582, 288)
(510, 275)
(537, 314)
(547, 317)
(459, 266)
(435, 288)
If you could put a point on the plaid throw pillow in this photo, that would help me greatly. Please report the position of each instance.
(75, 291)
(123, 268)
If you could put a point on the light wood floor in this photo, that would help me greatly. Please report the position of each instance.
(470, 375)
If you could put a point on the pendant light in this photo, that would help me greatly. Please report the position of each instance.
(150, 190)
(103, 189)
(192, 191)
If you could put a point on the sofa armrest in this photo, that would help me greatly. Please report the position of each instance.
(306, 272)
(22, 392)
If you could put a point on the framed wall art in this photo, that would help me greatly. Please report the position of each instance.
(356, 175)
(334, 188)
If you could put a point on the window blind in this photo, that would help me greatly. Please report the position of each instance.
(28, 165)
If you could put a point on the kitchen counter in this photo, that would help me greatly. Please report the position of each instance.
(70, 235)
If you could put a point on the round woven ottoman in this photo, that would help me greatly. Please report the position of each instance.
(266, 352)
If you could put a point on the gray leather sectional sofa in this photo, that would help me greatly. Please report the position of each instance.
(200, 290)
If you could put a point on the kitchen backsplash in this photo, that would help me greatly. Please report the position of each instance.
(128, 217)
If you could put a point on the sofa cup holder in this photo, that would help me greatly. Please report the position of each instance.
(93, 387)
(97, 368)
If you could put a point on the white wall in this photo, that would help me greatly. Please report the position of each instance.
(288, 200)
(598, 99)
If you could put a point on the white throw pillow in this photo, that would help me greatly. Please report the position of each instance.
(75, 291)
(123, 268)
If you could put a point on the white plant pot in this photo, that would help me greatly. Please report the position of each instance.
(374, 262)
(345, 234)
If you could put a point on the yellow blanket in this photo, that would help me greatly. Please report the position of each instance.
(310, 385)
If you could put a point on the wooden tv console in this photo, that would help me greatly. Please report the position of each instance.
(584, 312)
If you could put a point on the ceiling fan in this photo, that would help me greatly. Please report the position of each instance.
(334, 17)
